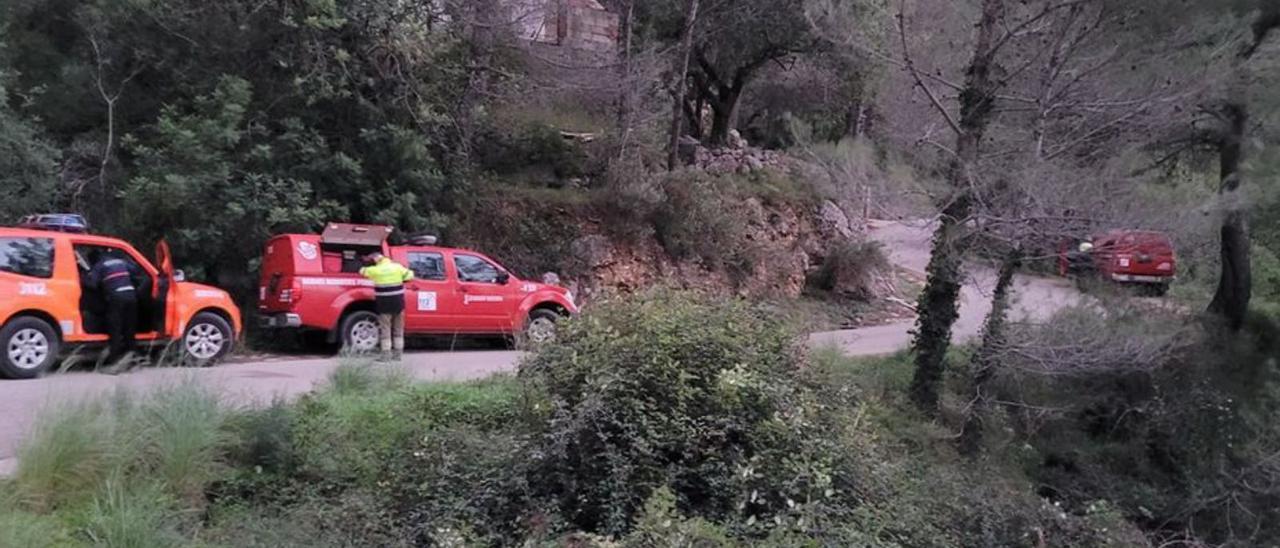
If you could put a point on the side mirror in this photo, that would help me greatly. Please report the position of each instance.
(503, 278)
(179, 276)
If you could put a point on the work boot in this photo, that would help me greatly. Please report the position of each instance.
(385, 357)
(397, 356)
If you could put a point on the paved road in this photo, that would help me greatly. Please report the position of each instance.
(908, 243)
(258, 382)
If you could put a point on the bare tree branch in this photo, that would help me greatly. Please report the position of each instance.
(915, 74)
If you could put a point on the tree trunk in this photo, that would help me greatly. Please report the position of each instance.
(625, 95)
(854, 119)
(1231, 301)
(724, 114)
(939, 306)
(681, 84)
(984, 360)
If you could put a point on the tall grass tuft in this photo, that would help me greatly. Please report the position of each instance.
(182, 431)
(67, 454)
(173, 437)
(133, 516)
(26, 530)
(359, 376)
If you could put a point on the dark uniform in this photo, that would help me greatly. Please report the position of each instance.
(115, 279)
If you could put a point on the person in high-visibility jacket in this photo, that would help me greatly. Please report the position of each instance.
(388, 279)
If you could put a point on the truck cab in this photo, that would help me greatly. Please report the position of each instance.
(312, 283)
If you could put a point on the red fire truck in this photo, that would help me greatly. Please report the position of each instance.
(312, 283)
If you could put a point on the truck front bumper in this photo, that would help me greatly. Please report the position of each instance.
(1133, 278)
(277, 321)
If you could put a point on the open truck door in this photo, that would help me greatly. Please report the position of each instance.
(349, 243)
(162, 291)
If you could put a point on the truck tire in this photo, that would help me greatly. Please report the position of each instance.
(207, 340)
(28, 348)
(541, 327)
(359, 333)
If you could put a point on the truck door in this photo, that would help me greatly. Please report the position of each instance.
(162, 303)
(484, 297)
(424, 310)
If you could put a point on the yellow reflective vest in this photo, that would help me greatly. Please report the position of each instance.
(387, 274)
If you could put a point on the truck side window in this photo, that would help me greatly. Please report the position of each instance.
(427, 266)
(475, 269)
(27, 256)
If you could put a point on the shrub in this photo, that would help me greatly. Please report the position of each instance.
(1163, 422)
(675, 390)
(537, 150)
(855, 270)
(700, 218)
(532, 232)
(660, 524)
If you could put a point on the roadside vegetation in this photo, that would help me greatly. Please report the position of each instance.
(674, 419)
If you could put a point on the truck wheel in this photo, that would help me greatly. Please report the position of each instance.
(207, 340)
(541, 328)
(359, 333)
(28, 347)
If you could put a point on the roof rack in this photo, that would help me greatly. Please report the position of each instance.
(57, 222)
(423, 239)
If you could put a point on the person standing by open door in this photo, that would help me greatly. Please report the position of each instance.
(388, 279)
(117, 280)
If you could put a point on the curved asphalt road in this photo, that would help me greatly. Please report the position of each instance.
(256, 383)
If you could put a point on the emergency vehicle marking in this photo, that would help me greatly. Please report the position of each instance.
(336, 282)
(481, 299)
(308, 250)
(35, 289)
(208, 294)
(68, 327)
(426, 301)
(528, 288)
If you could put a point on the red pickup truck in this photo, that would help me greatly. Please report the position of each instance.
(1138, 257)
(312, 283)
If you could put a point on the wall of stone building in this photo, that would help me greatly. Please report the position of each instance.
(575, 24)
(591, 26)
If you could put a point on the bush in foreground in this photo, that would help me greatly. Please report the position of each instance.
(694, 395)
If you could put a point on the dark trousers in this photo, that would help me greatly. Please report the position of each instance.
(122, 324)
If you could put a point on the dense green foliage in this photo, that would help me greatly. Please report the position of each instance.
(216, 123)
(28, 164)
(659, 421)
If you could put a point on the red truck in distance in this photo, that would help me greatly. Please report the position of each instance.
(311, 282)
(1139, 258)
